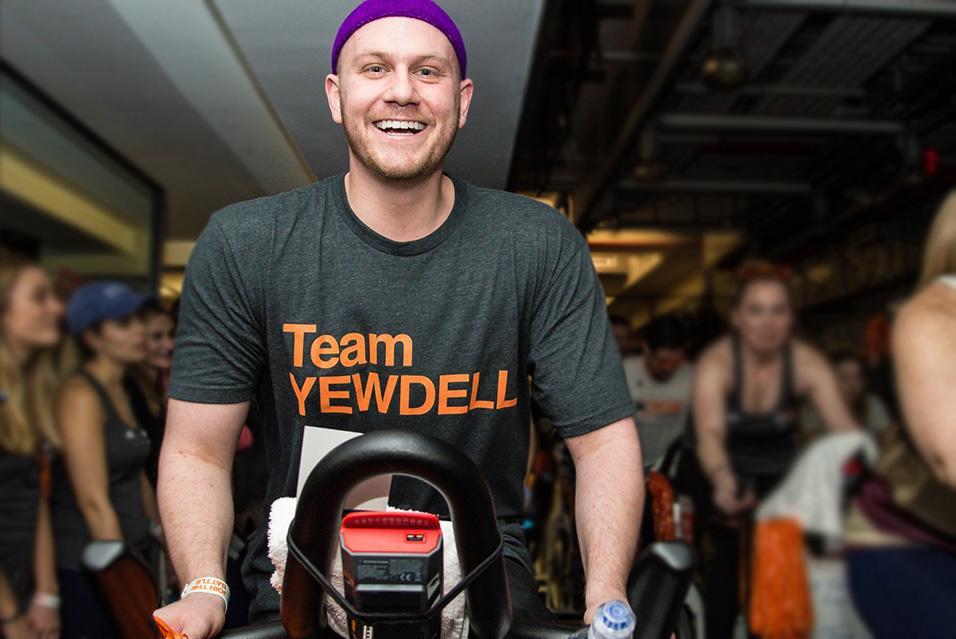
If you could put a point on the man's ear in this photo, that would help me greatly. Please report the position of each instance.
(465, 91)
(334, 96)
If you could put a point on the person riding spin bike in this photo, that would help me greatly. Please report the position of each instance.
(660, 382)
(395, 296)
(748, 389)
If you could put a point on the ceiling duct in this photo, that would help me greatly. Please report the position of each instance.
(922, 8)
(768, 124)
(768, 187)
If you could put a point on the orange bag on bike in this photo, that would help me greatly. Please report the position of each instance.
(662, 506)
(780, 605)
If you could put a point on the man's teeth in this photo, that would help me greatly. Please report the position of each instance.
(399, 125)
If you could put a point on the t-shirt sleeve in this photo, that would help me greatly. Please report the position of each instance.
(577, 377)
(219, 339)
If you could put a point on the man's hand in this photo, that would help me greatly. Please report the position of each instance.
(45, 621)
(725, 494)
(198, 616)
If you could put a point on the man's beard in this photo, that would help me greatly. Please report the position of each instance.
(424, 167)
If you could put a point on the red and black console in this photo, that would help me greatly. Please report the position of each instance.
(392, 562)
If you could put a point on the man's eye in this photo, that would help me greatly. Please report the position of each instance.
(428, 73)
(375, 68)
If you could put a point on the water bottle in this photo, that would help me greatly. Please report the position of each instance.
(613, 620)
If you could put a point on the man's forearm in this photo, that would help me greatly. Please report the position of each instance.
(609, 501)
(195, 506)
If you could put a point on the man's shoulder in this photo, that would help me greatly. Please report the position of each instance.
(262, 213)
(520, 214)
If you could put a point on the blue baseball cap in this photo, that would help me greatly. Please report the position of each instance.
(98, 301)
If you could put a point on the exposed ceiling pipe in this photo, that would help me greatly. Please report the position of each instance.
(698, 88)
(754, 123)
(769, 187)
(588, 195)
(915, 8)
(613, 55)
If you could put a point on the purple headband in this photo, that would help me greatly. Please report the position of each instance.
(424, 10)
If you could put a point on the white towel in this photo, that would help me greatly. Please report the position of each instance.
(454, 625)
(813, 489)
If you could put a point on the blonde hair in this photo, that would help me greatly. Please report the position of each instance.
(939, 257)
(26, 411)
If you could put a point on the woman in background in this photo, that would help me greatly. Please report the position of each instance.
(852, 377)
(147, 382)
(749, 387)
(30, 317)
(100, 488)
(901, 528)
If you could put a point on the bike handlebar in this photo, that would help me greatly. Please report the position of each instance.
(319, 513)
(270, 630)
(656, 591)
(662, 575)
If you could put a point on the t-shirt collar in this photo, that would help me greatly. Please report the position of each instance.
(386, 245)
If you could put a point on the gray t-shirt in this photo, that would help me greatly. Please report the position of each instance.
(293, 301)
(660, 407)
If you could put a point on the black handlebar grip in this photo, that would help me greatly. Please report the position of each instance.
(271, 630)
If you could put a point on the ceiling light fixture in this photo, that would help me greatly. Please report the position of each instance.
(725, 67)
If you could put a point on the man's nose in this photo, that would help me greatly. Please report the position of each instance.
(401, 90)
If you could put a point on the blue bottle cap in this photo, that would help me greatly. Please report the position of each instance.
(617, 618)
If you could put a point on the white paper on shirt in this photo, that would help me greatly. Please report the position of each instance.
(371, 494)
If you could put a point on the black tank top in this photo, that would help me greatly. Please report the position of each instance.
(762, 446)
(127, 449)
(19, 492)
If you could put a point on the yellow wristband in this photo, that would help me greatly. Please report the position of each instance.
(208, 585)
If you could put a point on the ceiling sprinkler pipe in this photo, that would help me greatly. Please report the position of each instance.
(756, 123)
(912, 8)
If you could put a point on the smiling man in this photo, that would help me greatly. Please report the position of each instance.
(395, 296)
